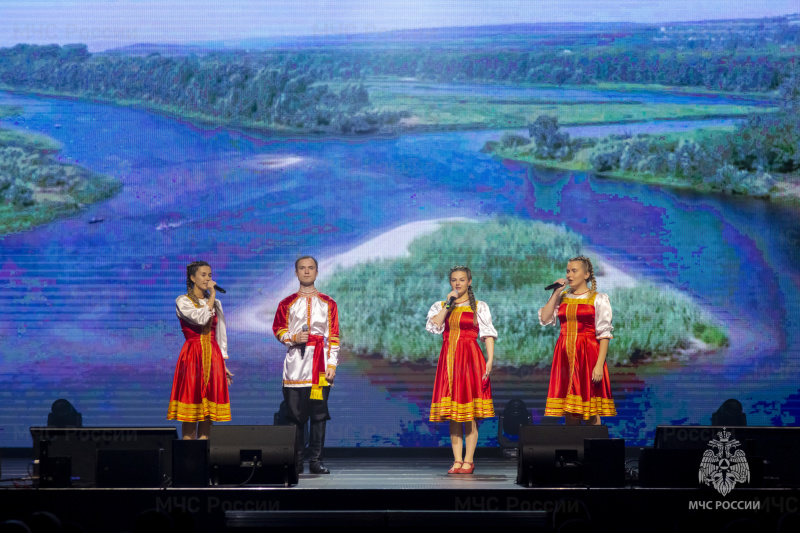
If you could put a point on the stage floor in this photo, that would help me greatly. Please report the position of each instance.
(411, 474)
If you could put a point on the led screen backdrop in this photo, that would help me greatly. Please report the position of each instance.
(393, 143)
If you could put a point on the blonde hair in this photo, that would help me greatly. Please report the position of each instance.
(587, 266)
(473, 303)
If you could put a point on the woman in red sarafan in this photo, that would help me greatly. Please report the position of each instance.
(200, 386)
(580, 388)
(462, 392)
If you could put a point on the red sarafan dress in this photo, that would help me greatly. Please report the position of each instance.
(200, 387)
(584, 320)
(459, 392)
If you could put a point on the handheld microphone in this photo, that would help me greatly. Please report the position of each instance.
(450, 302)
(219, 289)
(303, 346)
(553, 286)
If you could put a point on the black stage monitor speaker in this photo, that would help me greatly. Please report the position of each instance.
(554, 455)
(771, 452)
(53, 471)
(604, 462)
(659, 468)
(254, 455)
(190, 463)
(82, 446)
(129, 468)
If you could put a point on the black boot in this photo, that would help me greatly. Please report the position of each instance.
(299, 448)
(316, 441)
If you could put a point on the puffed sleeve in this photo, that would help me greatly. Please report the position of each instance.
(602, 316)
(280, 325)
(431, 325)
(222, 333)
(333, 335)
(186, 310)
(485, 327)
(550, 320)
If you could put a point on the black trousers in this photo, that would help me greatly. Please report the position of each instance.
(303, 409)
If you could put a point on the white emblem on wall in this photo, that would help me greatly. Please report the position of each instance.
(723, 466)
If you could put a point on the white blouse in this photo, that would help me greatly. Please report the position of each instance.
(485, 327)
(200, 316)
(602, 315)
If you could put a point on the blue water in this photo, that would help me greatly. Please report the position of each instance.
(86, 309)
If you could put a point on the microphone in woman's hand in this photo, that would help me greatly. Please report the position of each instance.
(450, 302)
(548, 288)
(219, 289)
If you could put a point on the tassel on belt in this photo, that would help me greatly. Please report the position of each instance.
(317, 366)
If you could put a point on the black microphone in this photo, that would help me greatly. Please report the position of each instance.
(303, 346)
(220, 289)
(553, 286)
(450, 302)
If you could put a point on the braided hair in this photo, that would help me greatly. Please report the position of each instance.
(191, 270)
(473, 303)
(587, 266)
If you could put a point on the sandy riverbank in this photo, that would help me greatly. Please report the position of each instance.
(266, 162)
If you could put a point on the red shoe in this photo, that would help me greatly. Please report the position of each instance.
(465, 470)
(453, 469)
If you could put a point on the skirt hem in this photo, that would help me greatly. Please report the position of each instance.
(197, 412)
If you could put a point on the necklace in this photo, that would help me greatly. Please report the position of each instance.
(308, 293)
